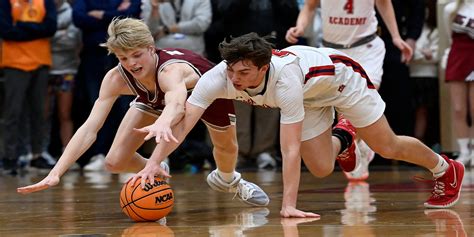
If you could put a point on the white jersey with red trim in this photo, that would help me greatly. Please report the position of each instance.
(347, 21)
(301, 78)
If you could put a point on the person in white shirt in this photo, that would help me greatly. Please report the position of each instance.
(307, 84)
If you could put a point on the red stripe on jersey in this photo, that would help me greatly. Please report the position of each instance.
(355, 66)
(281, 53)
(328, 70)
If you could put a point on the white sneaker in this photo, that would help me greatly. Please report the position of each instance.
(248, 192)
(265, 160)
(50, 159)
(97, 163)
(365, 155)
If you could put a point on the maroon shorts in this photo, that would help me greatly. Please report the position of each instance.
(460, 59)
(220, 114)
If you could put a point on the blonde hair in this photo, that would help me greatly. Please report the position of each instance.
(127, 34)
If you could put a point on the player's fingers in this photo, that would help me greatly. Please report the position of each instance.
(149, 136)
(141, 130)
(132, 180)
(166, 137)
(143, 182)
(31, 188)
(174, 138)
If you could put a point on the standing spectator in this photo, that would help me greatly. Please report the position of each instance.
(424, 73)
(25, 27)
(351, 29)
(93, 18)
(459, 18)
(65, 46)
(178, 23)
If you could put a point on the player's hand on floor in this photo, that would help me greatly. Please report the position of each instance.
(148, 174)
(293, 212)
(159, 131)
(47, 182)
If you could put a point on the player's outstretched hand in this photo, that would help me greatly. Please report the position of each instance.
(293, 33)
(49, 181)
(148, 174)
(407, 51)
(159, 131)
(293, 212)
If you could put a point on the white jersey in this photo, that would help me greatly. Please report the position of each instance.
(282, 89)
(306, 83)
(347, 21)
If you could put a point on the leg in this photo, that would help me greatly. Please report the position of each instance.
(380, 138)
(225, 148)
(225, 153)
(64, 113)
(459, 101)
(16, 83)
(319, 153)
(122, 156)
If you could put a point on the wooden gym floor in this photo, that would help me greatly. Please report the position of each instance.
(390, 203)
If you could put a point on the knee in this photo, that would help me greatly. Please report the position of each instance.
(113, 165)
(321, 170)
(387, 152)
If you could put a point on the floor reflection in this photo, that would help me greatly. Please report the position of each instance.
(447, 221)
(148, 229)
(290, 225)
(247, 219)
(359, 204)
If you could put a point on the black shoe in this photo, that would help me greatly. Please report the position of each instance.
(10, 167)
(40, 163)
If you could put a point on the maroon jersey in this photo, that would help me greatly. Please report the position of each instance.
(219, 114)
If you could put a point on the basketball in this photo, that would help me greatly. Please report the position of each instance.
(152, 203)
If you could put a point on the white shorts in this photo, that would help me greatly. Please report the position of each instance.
(348, 93)
(370, 56)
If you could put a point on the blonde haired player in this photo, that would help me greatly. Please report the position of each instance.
(350, 26)
(160, 78)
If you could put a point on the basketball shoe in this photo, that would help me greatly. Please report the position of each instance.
(447, 188)
(448, 222)
(248, 192)
(365, 156)
(347, 159)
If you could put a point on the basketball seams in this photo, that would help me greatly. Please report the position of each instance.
(139, 211)
(134, 202)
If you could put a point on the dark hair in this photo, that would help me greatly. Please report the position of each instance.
(247, 47)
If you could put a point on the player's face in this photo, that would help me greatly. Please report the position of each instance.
(139, 62)
(244, 74)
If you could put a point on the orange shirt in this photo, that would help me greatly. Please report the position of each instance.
(27, 55)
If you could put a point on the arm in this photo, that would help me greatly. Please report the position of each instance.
(305, 16)
(163, 149)
(172, 80)
(85, 135)
(290, 141)
(387, 13)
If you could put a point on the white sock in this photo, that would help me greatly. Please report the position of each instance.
(440, 168)
(463, 144)
(228, 177)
